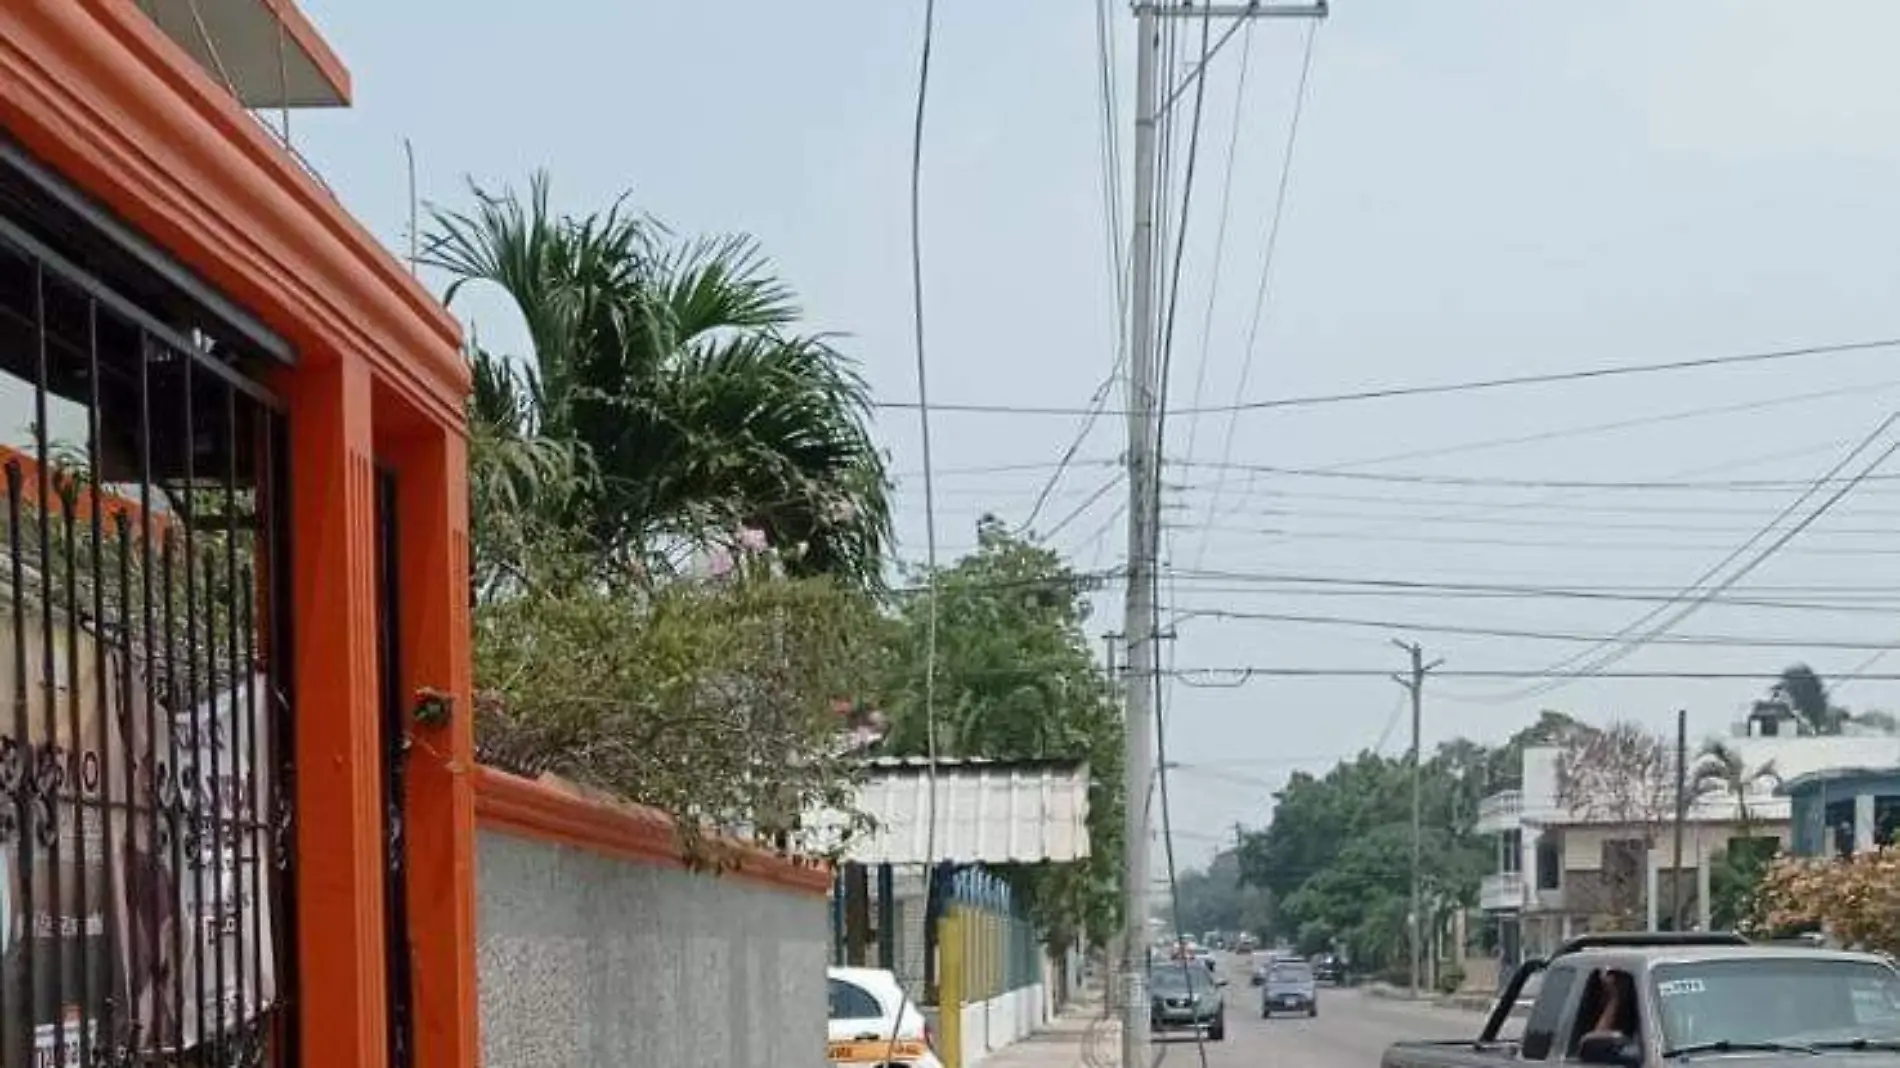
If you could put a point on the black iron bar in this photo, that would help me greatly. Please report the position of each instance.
(21, 772)
(104, 707)
(51, 767)
(195, 737)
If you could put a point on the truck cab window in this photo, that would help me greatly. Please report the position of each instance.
(1540, 1031)
(1608, 1004)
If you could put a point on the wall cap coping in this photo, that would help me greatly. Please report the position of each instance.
(551, 809)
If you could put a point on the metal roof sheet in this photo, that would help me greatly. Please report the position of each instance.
(988, 812)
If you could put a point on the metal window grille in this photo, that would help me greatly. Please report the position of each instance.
(145, 732)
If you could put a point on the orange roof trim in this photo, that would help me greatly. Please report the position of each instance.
(553, 812)
(98, 92)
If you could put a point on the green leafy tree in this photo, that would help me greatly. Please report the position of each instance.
(1015, 678)
(674, 372)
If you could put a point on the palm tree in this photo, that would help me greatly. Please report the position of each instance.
(673, 371)
(1720, 769)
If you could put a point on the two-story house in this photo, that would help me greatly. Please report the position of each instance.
(1561, 871)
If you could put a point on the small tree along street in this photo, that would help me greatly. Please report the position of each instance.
(1016, 679)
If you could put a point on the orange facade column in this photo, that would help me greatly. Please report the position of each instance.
(342, 1010)
(431, 469)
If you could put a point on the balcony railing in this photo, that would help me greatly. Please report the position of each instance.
(1501, 890)
(1501, 811)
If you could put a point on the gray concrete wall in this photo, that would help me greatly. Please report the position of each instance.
(586, 961)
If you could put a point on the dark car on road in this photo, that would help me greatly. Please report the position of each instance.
(1329, 969)
(1290, 988)
(1186, 999)
(1650, 1000)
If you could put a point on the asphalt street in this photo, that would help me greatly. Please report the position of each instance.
(1352, 1029)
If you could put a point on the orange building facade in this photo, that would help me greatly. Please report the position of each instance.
(237, 807)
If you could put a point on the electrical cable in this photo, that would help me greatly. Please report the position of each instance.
(1195, 676)
(1696, 589)
(930, 508)
(1309, 536)
(1268, 258)
(1716, 640)
(1220, 230)
(1417, 479)
(1166, 346)
(1471, 386)
(1658, 419)
(1076, 513)
(1111, 197)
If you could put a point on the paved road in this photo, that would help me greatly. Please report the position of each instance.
(1351, 1030)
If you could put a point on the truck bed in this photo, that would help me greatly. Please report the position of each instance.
(1452, 1053)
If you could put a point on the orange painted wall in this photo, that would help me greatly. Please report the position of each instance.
(94, 90)
(552, 812)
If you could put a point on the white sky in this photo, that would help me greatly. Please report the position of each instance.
(1481, 188)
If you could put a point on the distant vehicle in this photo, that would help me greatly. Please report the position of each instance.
(1247, 944)
(1329, 969)
(1290, 987)
(864, 1018)
(1186, 999)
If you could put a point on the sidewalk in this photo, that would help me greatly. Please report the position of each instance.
(1080, 1038)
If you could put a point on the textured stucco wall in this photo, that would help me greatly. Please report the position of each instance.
(590, 962)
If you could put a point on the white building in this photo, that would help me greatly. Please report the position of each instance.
(1560, 872)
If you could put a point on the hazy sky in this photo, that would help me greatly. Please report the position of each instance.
(1480, 188)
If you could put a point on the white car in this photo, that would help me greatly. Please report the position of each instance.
(864, 1004)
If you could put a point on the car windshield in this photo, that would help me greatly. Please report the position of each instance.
(1177, 980)
(1791, 999)
(1290, 973)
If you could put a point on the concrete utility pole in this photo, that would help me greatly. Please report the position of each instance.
(1415, 683)
(1144, 486)
(1682, 814)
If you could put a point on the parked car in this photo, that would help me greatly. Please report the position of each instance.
(1649, 1000)
(864, 1017)
(1290, 987)
(1187, 999)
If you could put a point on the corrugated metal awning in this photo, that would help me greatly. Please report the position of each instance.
(988, 812)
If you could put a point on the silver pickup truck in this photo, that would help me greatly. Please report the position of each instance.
(1649, 1000)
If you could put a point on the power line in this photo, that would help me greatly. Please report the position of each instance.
(1416, 479)
(930, 507)
(1269, 256)
(1242, 674)
(1220, 229)
(1329, 586)
(1470, 386)
(1696, 592)
(1717, 640)
(1523, 543)
(1657, 419)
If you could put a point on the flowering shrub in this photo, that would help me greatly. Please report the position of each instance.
(1854, 900)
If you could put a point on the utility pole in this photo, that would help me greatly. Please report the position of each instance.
(1414, 682)
(1144, 486)
(1682, 814)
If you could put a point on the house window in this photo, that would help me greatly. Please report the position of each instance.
(1550, 862)
(1887, 820)
(1838, 818)
(1511, 851)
